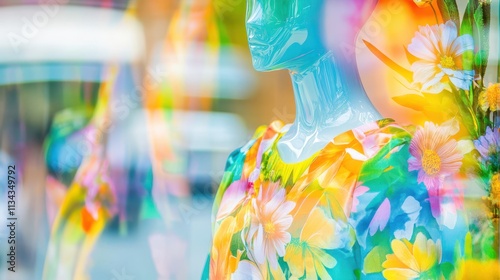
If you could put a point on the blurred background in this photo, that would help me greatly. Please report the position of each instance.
(119, 117)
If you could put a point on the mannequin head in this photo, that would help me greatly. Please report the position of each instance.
(294, 34)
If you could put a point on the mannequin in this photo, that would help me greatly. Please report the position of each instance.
(330, 196)
(328, 92)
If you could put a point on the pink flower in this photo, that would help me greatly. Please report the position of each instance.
(271, 219)
(434, 154)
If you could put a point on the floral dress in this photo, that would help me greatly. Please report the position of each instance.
(358, 208)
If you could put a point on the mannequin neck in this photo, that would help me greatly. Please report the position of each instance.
(329, 99)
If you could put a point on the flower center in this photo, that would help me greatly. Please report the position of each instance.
(269, 228)
(447, 61)
(431, 162)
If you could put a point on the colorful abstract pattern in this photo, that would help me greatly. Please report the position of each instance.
(364, 206)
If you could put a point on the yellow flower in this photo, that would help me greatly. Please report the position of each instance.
(411, 261)
(306, 254)
(421, 3)
(490, 98)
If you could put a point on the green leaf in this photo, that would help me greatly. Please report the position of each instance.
(487, 247)
(468, 60)
(374, 259)
(449, 11)
(466, 112)
(393, 166)
(467, 21)
(482, 22)
(236, 244)
(447, 269)
(481, 60)
(467, 28)
(357, 273)
(457, 254)
(405, 73)
(468, 246)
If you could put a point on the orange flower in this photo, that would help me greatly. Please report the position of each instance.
(490, 98)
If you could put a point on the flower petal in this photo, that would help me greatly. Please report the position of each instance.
(462, 44)
(422, 47)
(448, 35)
(434, 85)
(246, 270)
(381, 217)
(233, 196)
(399, 274)
(402, 252)
(424, 71)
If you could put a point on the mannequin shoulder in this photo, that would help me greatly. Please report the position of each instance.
(262, 138)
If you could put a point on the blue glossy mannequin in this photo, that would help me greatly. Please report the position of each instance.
(315, 41)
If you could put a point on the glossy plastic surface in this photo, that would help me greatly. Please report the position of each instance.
(315, 41)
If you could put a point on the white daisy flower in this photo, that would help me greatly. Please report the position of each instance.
(439, 50)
